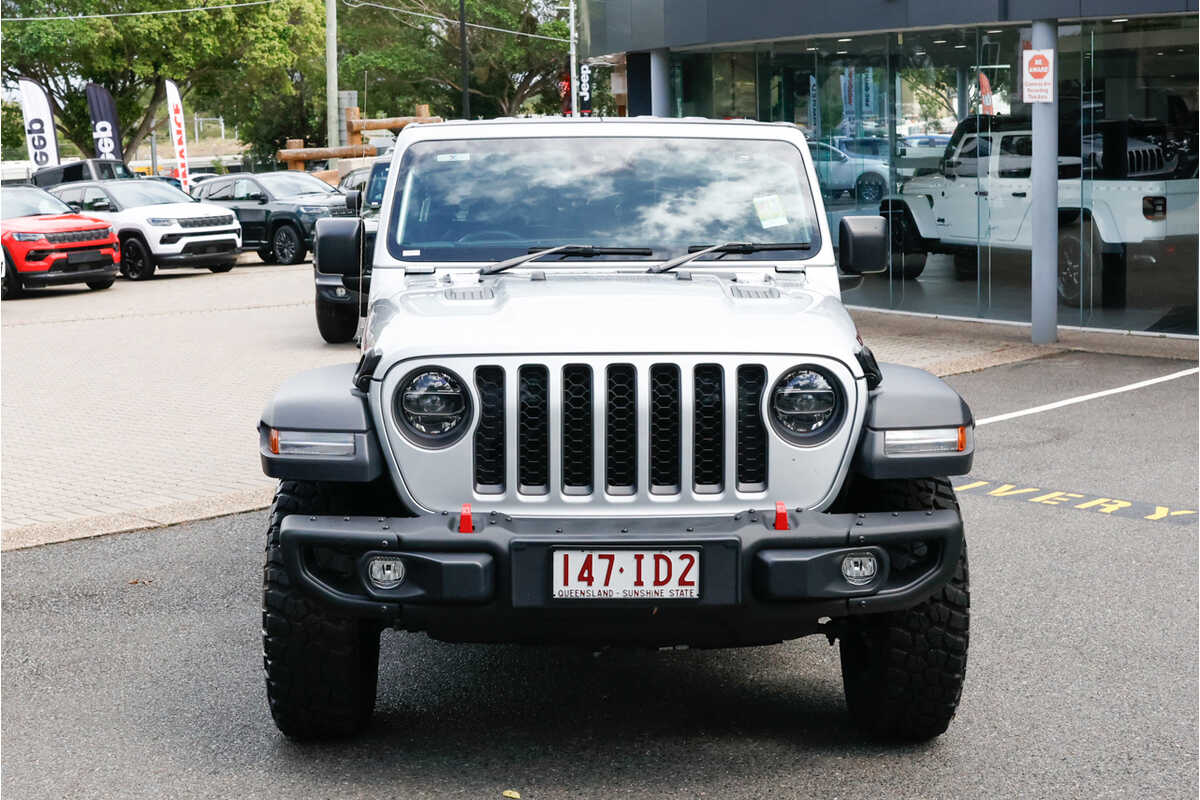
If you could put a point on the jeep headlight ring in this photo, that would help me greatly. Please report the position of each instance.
(433, 407)
(806, 405)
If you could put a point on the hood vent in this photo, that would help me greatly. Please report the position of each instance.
(754, 292)
(472, 293)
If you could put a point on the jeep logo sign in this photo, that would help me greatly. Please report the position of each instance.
(585, 90)
(106, 146)
(39, 124)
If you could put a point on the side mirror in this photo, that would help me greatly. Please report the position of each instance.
(338, 246)
(863, 245)
(354, 201)
(948, 167)
(76, 207)
(260, 197)
(100, 205)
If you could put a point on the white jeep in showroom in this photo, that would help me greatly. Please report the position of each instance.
(608, 395)
(1118, 198)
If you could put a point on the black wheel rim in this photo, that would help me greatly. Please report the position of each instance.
(1070, 268)
(285, 244)
(133, 260)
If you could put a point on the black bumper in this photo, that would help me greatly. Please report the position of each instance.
(202, 254)
(56, 278)
(757, 584)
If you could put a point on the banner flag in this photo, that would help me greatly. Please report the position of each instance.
(106, 131)
(987, 108)
(39, 124)
(178, 133)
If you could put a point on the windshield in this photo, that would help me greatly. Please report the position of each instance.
(29, 202)
(490, 199)
(112, 169)
(133, 194)
(373, 197)
(282, 184)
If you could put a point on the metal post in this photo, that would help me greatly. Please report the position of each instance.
(964, 105)
(462, 48)
(1044, 211)
(195, 128)
(574, 67)
(222, 119)
(154, 148)
(331, 76)
(660, 85)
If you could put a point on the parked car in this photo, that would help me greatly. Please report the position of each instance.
(608, 395)
(278, 210)
(929, 145)
(159, 226)
(875, 147)
(164, 179)
(89, 169)
(339, 303)
(48, 244)
(866, 179)
(354, 180)
(1127, 201)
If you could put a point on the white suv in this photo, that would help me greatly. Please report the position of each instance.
(159, 226)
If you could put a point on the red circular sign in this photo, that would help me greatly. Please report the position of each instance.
(1039, 66)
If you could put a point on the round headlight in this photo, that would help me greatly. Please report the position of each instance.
(805, 405)
(433, 406)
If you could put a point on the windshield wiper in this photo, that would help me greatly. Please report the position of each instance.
(586, 250)
(697, 250)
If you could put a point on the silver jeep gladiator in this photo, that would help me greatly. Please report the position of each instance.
(608, 395)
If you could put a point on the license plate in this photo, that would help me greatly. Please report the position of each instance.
(87, 257)
(623, 574)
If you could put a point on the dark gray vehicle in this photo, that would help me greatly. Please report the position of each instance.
(608, 395)
(278, 210)
(340, 303)
(88, 169)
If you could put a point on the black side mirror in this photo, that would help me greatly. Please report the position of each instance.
(338, 246)
(948, 167)
(863, 245)
(354, 200)
(260, 197)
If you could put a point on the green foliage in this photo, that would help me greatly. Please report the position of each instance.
(215, 56)
(12, 132)
(397, 60)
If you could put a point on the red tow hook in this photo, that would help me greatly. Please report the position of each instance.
(465, 525)
(781, 518)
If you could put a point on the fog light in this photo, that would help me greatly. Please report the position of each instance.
(859, 569)
(387, 572)
(340, 291)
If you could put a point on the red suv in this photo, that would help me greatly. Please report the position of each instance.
(47, 244)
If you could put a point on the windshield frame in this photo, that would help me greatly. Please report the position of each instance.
(9, 190)
(397, 199)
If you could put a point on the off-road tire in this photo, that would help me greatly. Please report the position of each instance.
(321, 668)
(100, 285)
(908, 266)
(12, 284)
(221, 268)
(869, 189)
(903, 671)
(1080, 264)
(286, 245)
(908, 260)
(337, 322)
(136, 262)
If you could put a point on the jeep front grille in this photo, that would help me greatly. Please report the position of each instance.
(206, 222)
(619, 435)
(632, 451)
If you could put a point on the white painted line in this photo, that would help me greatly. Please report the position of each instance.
(1083, 398)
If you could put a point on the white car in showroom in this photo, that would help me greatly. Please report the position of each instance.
(158, 225)
(864, 178)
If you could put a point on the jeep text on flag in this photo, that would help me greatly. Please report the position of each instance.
(178, 136)
(106, 131)
(39, 124)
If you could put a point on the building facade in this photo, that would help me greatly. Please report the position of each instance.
(913, 109)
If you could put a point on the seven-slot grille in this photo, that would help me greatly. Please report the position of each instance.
(607, 434)
(78, 236)
(206, 222)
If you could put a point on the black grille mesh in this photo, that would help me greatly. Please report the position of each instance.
(664, 426)
(620, 466)
(533, 420)
(205, 222)
(489, 435)
(577, 426)
(751, 433)
(68, 237)
(709, 446)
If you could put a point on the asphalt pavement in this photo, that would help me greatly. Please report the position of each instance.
(132, 663)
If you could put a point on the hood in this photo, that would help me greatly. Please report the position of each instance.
(53, 223)
(183, 210)
(607, 313)
(316, 199)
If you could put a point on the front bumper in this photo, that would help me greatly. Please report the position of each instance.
(33, 279)
(757, 584)
(202, 253)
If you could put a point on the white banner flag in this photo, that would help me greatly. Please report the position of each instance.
(39, 124)
(178, 133)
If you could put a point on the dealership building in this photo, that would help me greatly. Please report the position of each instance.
(1076, 210)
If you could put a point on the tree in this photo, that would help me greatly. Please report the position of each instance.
(12, 133)
(407, 59)
(206, 53)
